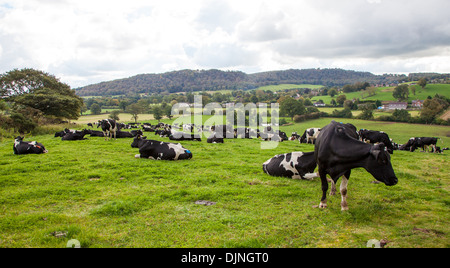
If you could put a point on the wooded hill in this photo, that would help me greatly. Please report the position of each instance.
(213, 80)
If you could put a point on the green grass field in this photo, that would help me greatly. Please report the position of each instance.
(95, 191)
(385, 94)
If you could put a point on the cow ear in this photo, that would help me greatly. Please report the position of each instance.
(375, 152)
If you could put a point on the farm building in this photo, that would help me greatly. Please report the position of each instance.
(417, 103)
(396, 105)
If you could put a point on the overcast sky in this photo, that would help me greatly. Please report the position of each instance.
(89, 41)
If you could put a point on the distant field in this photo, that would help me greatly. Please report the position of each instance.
(289, 86)
(385, 94)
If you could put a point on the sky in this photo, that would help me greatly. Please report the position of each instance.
(84, 42)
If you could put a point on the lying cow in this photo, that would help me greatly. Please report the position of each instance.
(76, 136)
(157, 150)
(338, 151)
(28, 147)
(213, 138)
(296, 165)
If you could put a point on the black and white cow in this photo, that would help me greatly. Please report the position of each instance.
(310, 135)
(157, 150)
(296, 165)
(337, 151)
(76, 136)
(28, 147)
(372, 136)
(213, 138)
(429, 142)
(422, 142)
(109, 127)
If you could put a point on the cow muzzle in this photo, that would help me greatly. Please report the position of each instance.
(391, 181)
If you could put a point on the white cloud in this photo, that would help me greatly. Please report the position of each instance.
(91, 41)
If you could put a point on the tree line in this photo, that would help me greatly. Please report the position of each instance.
(215, 80)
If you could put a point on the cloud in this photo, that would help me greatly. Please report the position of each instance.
(87, 42)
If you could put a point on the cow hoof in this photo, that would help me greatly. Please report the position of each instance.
(137, 156)
(344, 208)
(323, 205)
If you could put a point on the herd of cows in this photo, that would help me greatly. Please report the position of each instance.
(338, 148)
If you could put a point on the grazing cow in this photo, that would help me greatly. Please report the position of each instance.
(427, 141)
(76, 136)
(371, 136)
(28, 147)
(422, 142)
(109, 127)
(157, 150)
(296, 165)
(294, 136)
(310, 135)
(338, 150)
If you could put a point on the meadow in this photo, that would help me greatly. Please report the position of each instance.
(95, 191)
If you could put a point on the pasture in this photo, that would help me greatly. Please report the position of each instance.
(95, 191)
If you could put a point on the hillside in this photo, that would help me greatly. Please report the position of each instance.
(212, 80)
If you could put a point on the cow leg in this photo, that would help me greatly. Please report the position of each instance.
(323, 179)
(343, 190)
(333, 187)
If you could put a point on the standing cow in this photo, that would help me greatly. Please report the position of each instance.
(28, 147)
(338, 151)
(109, 127)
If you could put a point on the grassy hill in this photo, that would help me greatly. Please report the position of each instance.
(98, 193)
(385, 93)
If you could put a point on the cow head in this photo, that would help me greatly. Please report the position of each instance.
(137, 141)
(379, 165)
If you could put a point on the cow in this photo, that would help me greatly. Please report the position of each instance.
(95, 133)
(214, 139)
(310, 135)
(109, 127)
(28, 147)
(296, 165)
(157, 150)
(294, 136)
(62, 133)
(422, 142)
(429, 141)
(76, 136)
(124, 134)
(372, 136)
(337, 151)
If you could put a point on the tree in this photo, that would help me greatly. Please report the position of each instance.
(431, 108)
(96, 109)
(157, 113)
(41, 91)
(401, 92)
(341, 99)
(332, 92)
(115, 115)
(422, 82)
(291, 107)
(134, 109)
